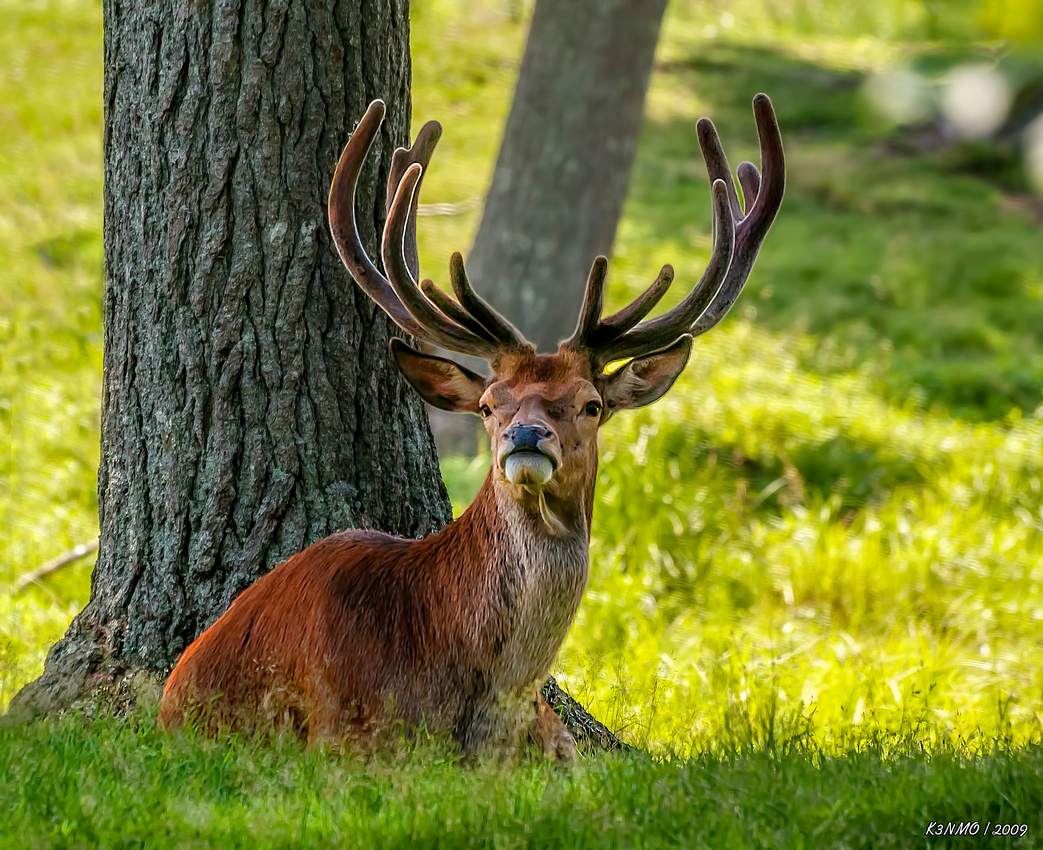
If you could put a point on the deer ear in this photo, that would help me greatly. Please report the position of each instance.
(440, 382)
(646, 379)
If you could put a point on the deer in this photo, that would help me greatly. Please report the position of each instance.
(364, 632)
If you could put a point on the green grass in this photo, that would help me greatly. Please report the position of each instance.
(50, 315)
(144, 789)
(817, 566)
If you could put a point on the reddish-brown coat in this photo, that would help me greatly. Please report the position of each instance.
(331, 639)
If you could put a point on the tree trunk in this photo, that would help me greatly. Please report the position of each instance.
(250, 405)
(565, 160)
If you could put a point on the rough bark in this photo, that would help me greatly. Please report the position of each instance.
(590, 733)
(565, 161)
(250, 405)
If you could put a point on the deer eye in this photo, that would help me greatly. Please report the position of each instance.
(593, 408)
(486, 411)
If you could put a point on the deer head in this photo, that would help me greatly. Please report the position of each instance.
(543, 411)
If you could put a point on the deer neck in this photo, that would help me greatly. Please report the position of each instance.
(531, 579)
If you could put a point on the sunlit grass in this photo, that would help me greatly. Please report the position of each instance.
(50, 315)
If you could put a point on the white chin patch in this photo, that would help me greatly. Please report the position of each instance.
(528, 469)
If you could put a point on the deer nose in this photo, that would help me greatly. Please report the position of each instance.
(526, 436)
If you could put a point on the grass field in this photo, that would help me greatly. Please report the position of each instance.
(817, 566)
(119, 783)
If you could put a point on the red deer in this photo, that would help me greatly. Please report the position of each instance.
(363, 631)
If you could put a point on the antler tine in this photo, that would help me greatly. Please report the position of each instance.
(592, 332)
(750, 181)
(763, 199)
(341, 208)
(668, 328)
(496, 325)
(717, 163)
(422, 311)
(471, 313)
(421, 151)
(437, 327)
(452, 310)
(593, 300)
(640, 307)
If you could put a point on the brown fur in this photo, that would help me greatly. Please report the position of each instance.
(362, 628)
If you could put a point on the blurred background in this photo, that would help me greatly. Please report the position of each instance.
(833, 526)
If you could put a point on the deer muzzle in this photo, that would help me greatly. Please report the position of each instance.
(527, 459)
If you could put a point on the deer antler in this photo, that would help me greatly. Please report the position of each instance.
(738, 235)
(423, 311)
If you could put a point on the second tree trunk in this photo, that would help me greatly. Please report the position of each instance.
(565, 161)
